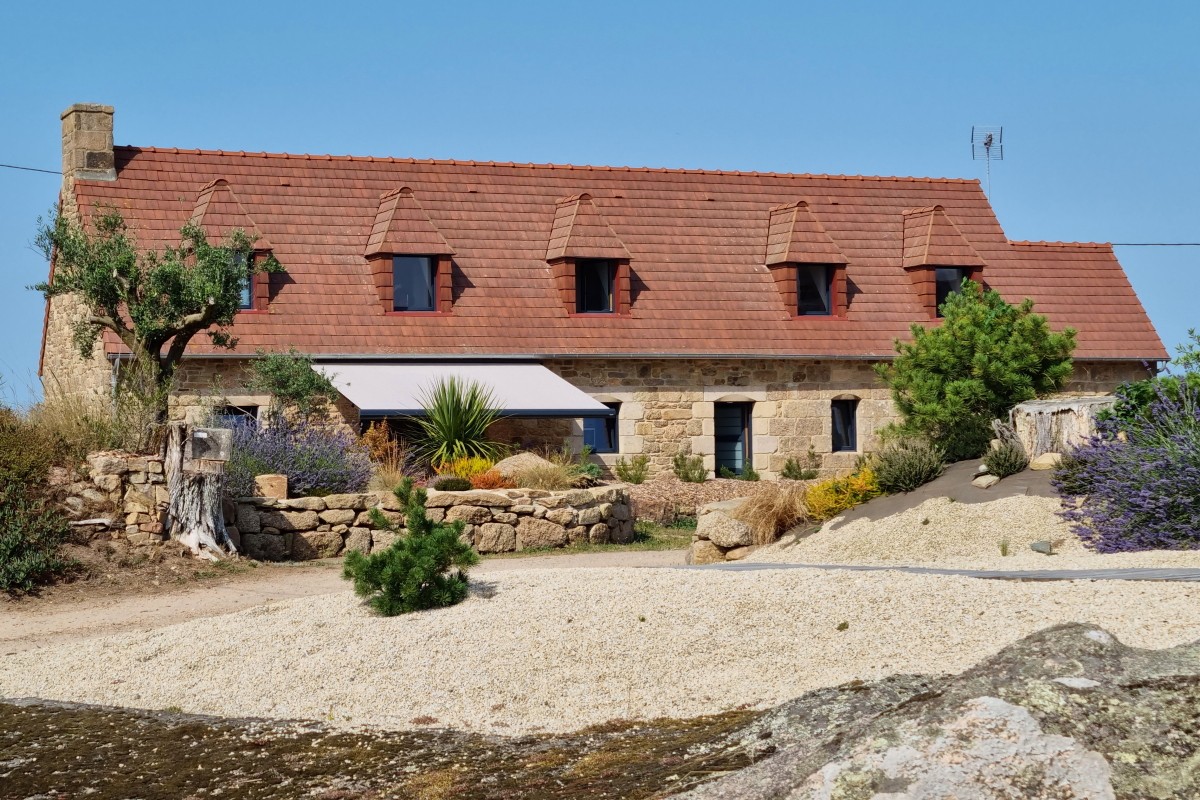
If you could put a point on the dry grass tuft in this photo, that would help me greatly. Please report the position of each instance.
(774, 509)
(551, 477)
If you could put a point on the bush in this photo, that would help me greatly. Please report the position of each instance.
(689, 469)
(318, 459)
(747, 474)
(1140, 479)
(27, 452)
(1070, 477)
(390, 459)
(30, 537)
(451, 483)
(952, 380)
(794, 470)
(582, 470)
(827, 499)
(549, 477)
(1005, 458)
(906, 464)
(467, 467)
(492, 479)
(634, 471)
(415, 572)
(457, 415)
(773, 510)
(292, 382)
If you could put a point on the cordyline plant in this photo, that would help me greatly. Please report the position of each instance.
(318, 459)
(457, 415)
(952, 380)
(1137, 481)
(155, 302)
(425, 567)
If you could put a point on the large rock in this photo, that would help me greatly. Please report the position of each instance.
(521, 461)
(289, 520)
(1046, 461)
(308, 545)
(358, 539)
(338, 516)
(474, 497)
(272, 486)
(357, 502)
(985, 481)
(304, 504)
(267, 547)
(717, 524)
(472, 515)
(703, 551)
(496, 537)
(1067, 713)
(540, 533)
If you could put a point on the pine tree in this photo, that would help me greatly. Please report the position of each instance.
(988, 355)
(414, 573)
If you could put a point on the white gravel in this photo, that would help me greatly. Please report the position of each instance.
(943, 533)
(559, 650)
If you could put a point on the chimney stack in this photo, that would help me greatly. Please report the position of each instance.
(87, 142)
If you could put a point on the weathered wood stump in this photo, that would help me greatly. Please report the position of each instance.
(194, 515)
(1058, 425)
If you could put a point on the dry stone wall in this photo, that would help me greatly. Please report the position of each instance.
(124, 496)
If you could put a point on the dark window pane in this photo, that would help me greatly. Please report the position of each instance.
(412, 283)
(246, 299)
(230, 416)
(949, 280)
(600, 433)
(813, 290)
(731, 422)
(594, 286)
(845, 426)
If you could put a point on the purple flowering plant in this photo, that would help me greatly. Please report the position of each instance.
(319, 459)
(1137, 481)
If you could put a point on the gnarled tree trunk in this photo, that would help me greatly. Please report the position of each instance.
(1058, 425)
(194, 515)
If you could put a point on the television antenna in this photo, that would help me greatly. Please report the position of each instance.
(987, 143)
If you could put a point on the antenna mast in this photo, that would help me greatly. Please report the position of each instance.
(987, 142)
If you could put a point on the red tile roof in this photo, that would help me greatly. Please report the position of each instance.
(932, 239)
(218, 211)
(403, 228)
(580, 231)
(795, 236)
(696, 240)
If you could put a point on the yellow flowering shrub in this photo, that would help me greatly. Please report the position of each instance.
(831, 497)
(465, 467)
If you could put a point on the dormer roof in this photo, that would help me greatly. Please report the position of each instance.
(219, 213)
(796, 236)
(580, 231)
(403, 228)
(932, 239)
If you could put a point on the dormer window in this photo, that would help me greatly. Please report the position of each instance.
(242, 262)
(949, 280)
(594, 282)
(255, 289)
(937, 257)
(814, 290)
(414, 282)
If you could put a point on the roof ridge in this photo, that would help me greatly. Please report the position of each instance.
(1064, 245)
(532, 165)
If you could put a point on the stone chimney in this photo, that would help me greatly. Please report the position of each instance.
(87, 143)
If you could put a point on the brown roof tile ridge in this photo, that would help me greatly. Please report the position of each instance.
(1062, 245)
(535, 165)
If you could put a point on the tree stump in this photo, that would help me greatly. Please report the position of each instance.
(194, 516)
(1058, 425)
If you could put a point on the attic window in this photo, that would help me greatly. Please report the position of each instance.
(594, 281)
(413, 281)
(242, 261)
(949, 280)
(814, 290)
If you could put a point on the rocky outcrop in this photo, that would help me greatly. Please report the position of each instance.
(720, 536)
(1067, 713)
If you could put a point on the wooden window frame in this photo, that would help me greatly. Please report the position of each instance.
(260, 286)
(852, 404)
(564, 271)
(383, 276)
(925, 279)
(787, 279)
(747, 408)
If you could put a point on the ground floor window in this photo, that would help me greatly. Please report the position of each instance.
(731, 422)
(600, 433)
(228, 416)
(845, 426)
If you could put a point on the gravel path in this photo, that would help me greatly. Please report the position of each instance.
(943, 533)
(559, 650)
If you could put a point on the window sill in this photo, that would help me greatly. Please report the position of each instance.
(416, 313)
(253, 311)
(598, 314)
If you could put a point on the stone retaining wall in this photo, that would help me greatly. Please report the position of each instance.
(125, 497)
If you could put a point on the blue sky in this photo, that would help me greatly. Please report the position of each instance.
(1098, 100)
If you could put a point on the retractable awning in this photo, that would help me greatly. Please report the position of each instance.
(521, 390)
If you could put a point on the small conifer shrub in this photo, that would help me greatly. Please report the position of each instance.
(795, 470)
(425, 567)
(689, 469)
(635, 470)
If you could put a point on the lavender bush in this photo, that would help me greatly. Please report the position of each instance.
(1139, 479)
(318, 459)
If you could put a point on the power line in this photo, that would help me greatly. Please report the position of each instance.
(1156, 244)
(31, 169)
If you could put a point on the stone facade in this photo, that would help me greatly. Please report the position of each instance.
(124, 497)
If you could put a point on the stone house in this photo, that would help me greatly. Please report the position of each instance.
(733, 314)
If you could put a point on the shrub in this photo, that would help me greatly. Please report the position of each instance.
(1070, 477)
(773, 510)
(467, 467)
(457, 415)
(1005, 458)
(389, 457)
(906, 464)
(634, 471)
(492, 479)
(747, 474)
(794, 470)
(582, 470)
(30, 538)
(829, 498)
(451, 483)
(318, 459)
(414, 573)
(689, 469)
(293, 383)
(549, 477)
(27, 452)
(1141, 478)
(952, 380)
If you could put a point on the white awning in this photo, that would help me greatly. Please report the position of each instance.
(521, 390)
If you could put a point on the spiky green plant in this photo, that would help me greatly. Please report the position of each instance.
(457, 415)
(414, 573)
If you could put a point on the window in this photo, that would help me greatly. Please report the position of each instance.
(814, 290)
(949, 280)
(244, 261)
(600, 433)
(229, 416)
(731, 422)
(412, 283)
(845, 426)
(594, 281)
